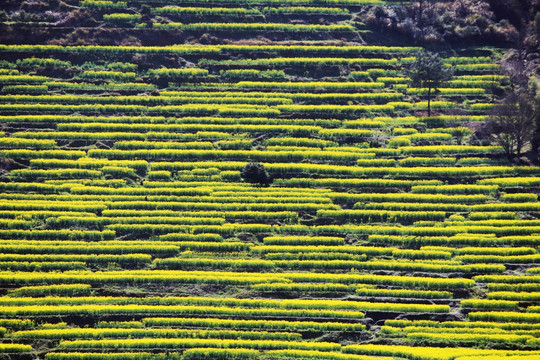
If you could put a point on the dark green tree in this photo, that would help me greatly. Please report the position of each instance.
(420, 14)
(428, 71)
(537, 24)
(534, 93)
(255, 173)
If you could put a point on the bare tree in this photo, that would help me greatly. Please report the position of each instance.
(512, 123)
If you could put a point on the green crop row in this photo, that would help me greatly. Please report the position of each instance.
(280, 325)
(103, 4)
(126, 276)
(247, 27)
(111, 333)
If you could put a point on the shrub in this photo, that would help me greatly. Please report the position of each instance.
(254, 172)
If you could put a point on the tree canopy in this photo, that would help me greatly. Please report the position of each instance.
(428, 71)
(254, 172)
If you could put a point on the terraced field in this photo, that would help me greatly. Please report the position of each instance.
(127, 231)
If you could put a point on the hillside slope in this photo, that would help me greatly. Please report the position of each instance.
(367, 227)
